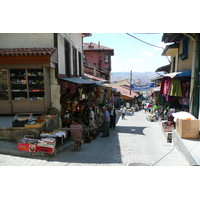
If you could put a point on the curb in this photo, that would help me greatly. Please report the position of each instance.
(177, 141)
(182, 147)
(15, 152)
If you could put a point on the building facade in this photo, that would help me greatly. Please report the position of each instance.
(31, 65)
(97, 60)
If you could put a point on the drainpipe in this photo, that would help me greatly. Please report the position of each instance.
(194, 57)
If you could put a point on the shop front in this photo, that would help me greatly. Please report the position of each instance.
(25, 80)
(82, 99)
(174, 96)
(24, 90)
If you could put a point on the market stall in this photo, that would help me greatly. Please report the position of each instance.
(80, 97)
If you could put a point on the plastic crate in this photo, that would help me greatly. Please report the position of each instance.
(17, 123)
(23, 116)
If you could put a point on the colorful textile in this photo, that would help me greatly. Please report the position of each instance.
(185, 101)
(165, 86)
(185, 89)
(175, 88)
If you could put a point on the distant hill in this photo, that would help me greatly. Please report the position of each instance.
(144, 77)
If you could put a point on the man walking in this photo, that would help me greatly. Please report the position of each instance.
(123, 111)
(112, 118)
(106, 122)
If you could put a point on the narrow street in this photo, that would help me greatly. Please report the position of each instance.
(135, 141)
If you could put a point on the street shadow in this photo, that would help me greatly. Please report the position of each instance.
(105, 151)
(100, 151)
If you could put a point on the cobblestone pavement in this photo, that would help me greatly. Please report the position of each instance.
(134, 141)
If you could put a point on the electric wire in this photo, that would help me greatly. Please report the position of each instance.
(144, 41)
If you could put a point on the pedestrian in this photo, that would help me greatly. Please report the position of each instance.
(132, 110)
(91, 118)
(145, 108)
(106, 122)
(112, 117)
(76, 130)
(123, 112)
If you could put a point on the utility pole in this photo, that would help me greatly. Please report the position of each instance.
(130, 81)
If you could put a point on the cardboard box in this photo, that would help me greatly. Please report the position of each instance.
(27, 147)
(188, 129)
(45, 149)
(47, 142)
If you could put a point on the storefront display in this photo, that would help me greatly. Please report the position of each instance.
(24, 90)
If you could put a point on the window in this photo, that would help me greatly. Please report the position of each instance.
(67, 59)
(106, 58)
(184, 54)
(74, 61)
(80, 63)
(173, 64)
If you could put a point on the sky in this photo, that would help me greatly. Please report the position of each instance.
(130, 53)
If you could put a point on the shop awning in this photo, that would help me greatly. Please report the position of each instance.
(184, 74)
(78, 80)
(165, 68)
(179, 74)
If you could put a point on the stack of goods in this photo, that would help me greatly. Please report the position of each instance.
(21, 119)
(28, 144)
(167, 126)
(59, 135)
(152, 118)
(46, 145)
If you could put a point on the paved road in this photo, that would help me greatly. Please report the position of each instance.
(135, 141)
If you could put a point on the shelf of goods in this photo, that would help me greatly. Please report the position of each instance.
(27, 84)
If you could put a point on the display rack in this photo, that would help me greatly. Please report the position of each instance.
(27, 84)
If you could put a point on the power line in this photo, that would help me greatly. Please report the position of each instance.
(148, 44)
(144, 41)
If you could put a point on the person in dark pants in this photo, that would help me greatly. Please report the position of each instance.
(112, 118)
(106, 122)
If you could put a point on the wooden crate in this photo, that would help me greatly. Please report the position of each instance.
(38, 124)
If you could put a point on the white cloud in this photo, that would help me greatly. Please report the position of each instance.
(146, 53)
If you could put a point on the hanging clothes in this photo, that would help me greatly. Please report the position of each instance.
(165, 86)
(185, 89)
(175, 88)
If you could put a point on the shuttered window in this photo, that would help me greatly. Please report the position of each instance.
(185, 48)
(67, 59)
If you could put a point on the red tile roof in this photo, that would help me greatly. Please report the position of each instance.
(94, 77)
(26, 51)
(125, 92)
(94, 46)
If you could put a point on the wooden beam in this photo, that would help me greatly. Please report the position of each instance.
(24, 59)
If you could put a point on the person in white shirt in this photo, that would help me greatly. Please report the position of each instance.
(91, 117)
(123, 112)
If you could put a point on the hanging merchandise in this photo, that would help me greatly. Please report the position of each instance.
(185, 89)
(73, 107)
(175, 88)
(165, 86)
(72, 88)
(68, 102)
(78, 108)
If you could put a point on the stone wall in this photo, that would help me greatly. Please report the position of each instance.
(16, 133)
